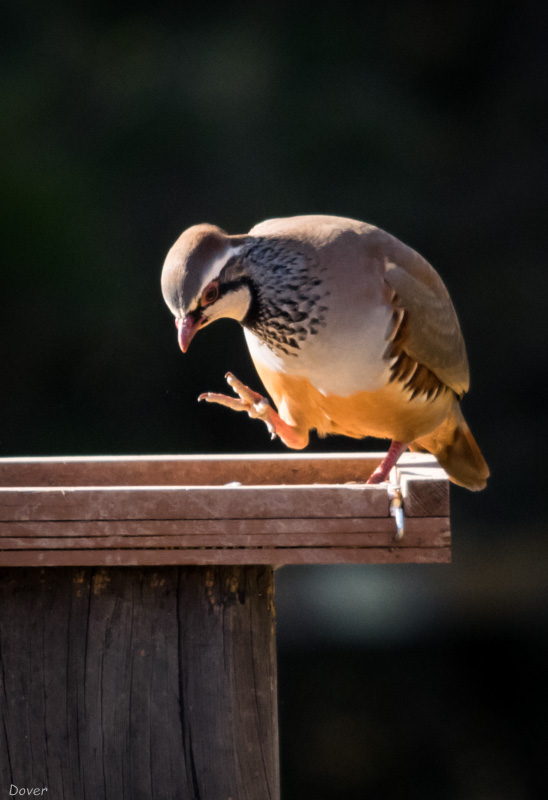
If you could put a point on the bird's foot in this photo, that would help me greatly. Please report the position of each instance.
(255, 404)
(257, 407)
(381, 473)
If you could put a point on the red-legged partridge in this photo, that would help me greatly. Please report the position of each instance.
(351, 332)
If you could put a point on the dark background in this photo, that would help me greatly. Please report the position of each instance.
(121, 125)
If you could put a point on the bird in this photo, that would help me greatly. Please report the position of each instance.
(351, 332)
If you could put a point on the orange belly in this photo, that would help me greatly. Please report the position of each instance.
(386, 413)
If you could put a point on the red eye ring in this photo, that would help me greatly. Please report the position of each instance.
(210, 294)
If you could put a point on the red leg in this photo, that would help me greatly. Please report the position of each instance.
(258, 407)
(394, 452)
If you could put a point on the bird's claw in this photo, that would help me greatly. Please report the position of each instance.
(258, 407)
(255, 404)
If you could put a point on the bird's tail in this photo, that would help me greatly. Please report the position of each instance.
(456, 450)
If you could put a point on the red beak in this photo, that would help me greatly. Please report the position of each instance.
(186, 329)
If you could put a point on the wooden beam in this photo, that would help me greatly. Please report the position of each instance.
(160, 680)
(139, 682)
(60, 519)
(277, 556)
(424, 484)
(379, 529)
(253, 469)
(430, 532)
(196, 502)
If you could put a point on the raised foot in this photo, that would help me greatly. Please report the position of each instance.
(258, 407)
(255, 404)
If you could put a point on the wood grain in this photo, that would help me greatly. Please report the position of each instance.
(197, 502)
(156, 683)
(425, 486)
(256, 470)
(244, 555)
(135, 512)
(431, 532)
(159, 681)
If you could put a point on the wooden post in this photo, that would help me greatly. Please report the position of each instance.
(137, 652)
(139, 682)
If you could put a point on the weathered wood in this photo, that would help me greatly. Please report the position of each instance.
(197, 502)
(256, 470)
(415, 537)
(424, 484)
(156, 683)
(382, 526)
(430, 532)
(238, 522)
(160, 681)
(277, 556)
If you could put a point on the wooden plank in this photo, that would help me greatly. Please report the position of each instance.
(287, 468)
(227, 654)
(198, 502)
(424, 485)
(223, 527)
(200, 523)
(219, 541)
(433, 532)
(201, 527)
(274, 556)
(156, 683)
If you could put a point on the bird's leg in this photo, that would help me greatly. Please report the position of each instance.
(394, 452)
(257, 407)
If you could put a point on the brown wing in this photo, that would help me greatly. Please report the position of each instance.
(427, 341)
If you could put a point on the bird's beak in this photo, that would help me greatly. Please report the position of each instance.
(186, 329)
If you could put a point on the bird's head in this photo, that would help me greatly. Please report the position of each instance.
(203, 280)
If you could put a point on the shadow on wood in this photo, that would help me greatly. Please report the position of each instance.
(139, 682)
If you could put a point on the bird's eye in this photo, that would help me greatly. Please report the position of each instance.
(210, 294)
